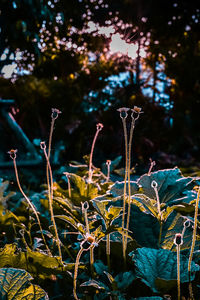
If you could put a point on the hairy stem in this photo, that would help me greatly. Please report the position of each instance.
(193, 240)
(76, 272)
(125, 180)
(178, 272)
(108, 250)
(31, 205)
(50, 195)
(129, 176)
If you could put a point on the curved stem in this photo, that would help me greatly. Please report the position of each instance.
(50, 194)
(193, 242)
(129, 177)
(125, 179)
(76, 272)
(178, 272)
(31, 205)
(91, 155)
(108, 250)
(92, 260)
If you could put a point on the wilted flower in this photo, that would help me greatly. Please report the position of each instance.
(99, 126)
(12, 153)
(88, 242)
(55, 113)
(123, 112)
(178, 240)
(108, 162)
(42, 145)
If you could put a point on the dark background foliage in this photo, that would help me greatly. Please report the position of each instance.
(70, 68)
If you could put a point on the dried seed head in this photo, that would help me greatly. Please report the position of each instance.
(90, 239)
(12, 153)
(123, 112)
(43, 145)
(186, 224)
(108, 162)
(99, 126)
(55, 113)
(137, 109)
(178, 240)
(85, 205)
(154, 184)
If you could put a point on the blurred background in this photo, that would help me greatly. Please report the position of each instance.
(87, 58)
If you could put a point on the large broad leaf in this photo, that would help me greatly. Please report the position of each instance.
(34, 262)
(3, 195)
(124, 280)
(148, 298)
(117, 189)
(154, 264)
(15, 284)
(171, 184)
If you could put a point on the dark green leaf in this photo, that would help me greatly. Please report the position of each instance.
(15, 284)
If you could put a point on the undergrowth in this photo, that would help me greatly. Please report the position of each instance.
(90, 236)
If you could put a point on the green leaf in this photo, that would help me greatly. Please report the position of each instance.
(117, 189)
(15, 284)
(171, 184)
(113, 212)
(35, 262)
(152, 264)
(93, 283)
(124, 280)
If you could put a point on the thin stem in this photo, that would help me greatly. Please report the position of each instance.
(86, 221)
(76, 272)
(194, 231)
(108, 250)
(30, 204)
(160, 233)
(50, 195)
(178, 271)
(193, 242)
(92, 260)
(69, 186)
(129, 176)
(99, 127)
(108, 163)
(125, 179)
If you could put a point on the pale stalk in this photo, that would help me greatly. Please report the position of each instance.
(193, 242)
(31, 205)
(91, 155)
(50, 195)
(178, 272)
(129, 177)
(124, 194)
(76, 272)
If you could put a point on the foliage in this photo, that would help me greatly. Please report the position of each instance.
(150, 263)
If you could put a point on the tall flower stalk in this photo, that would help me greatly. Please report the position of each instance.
(99, 128)
(178, 241)
(193, 242)
(50, 195)
(13, 156)
(123, 115)
(54, 115)
(135, 113)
